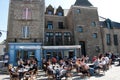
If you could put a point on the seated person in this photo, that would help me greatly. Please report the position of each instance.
(20, 64)
(85, 69)
(13, 72)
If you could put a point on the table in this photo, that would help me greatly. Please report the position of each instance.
(118, 59)
(21, 72)
(1, 64)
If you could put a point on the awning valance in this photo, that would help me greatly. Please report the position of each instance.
(62, 47)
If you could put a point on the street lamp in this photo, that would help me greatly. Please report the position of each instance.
(0, 34)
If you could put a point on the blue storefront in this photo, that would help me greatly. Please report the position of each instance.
(24, 51)
(61, 51)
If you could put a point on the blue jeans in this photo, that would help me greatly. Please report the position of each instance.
(91, 71)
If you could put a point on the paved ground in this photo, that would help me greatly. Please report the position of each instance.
(111, 74)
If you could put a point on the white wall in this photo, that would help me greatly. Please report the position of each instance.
(2, 49)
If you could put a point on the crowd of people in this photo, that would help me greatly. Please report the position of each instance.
(63, 67)
(24, 70)
(58, 69)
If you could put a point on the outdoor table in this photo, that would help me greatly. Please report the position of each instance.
(1, 64)
(118, 59)
(21, 72)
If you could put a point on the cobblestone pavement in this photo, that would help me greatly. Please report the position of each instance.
(111, 74)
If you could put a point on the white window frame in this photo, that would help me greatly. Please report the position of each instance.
(27, 14)
(25, 32)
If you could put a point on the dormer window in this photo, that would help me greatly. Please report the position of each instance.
(109, 24)
(60, 14)
(59, 11)
(50, 12)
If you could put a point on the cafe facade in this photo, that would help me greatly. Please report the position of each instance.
(24, 51)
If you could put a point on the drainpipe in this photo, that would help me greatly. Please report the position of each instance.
(101, 31)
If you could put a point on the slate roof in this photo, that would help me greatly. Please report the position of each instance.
(113, 24)
(116, 24)
(82, 3)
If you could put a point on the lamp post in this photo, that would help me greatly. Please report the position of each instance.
(0, 34)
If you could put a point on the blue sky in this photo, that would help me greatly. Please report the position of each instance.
(106, 8)
(3, 17)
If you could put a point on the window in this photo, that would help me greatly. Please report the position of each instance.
(109, 24)
(25, 32)
(27, 0)
(108, 39)
(15, 40)
(27, 14)
(49, 38)
(50, 12)
(60, 14)
(78, 11)
(50, 25)
(115, 39)
(93, 24)
(67, 38)
(94, 35)
(58, 38)
(80, 29)
(60, 25)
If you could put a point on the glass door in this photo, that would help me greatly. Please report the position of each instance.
(48, 56)
(24, 54)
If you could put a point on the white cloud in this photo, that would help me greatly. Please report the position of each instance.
(106, 8)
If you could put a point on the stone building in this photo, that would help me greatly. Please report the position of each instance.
(2, 50)
(34, 29)
(110, 36)
(25, 29)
